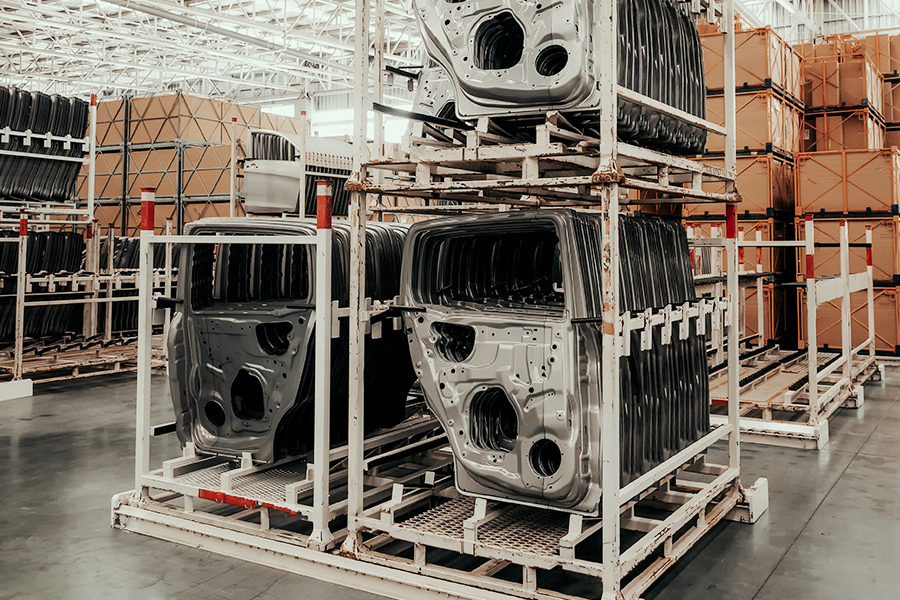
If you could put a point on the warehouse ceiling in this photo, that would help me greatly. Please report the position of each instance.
(258, 50)
(234, 49)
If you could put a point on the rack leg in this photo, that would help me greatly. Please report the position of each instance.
(144, 349)
(20, 296)
(321, 537)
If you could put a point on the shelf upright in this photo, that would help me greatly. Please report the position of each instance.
(357, 216)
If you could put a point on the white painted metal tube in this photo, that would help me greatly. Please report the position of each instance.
(870, 293)
(232, 171)
(760, 304)
(812, 350)
(320, 515)
(20, 295)
(145, 337)
(846, 330)
(734, 367)
(92, 157)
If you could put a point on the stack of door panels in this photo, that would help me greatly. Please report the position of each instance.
(769, 113)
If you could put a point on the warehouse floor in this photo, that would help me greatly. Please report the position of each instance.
(832, 529)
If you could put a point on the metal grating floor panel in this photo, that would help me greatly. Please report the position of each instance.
(263, 486)
(526, 530)
(269, 486)
(206, 479)
(445, 519)
(519, 529)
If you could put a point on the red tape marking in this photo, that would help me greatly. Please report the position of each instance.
(223, 498)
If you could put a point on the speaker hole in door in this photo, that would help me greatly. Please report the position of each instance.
(247, 396)
(545, 458)
(551, 60)
(273, 337)
(215, 413)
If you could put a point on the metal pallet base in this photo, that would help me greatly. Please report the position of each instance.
(528, 539)
(79, 363)
(772, 394)
(541, 554)
(281, 550)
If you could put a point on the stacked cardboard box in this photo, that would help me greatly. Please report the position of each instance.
(844, 104)
(769, 113)
(849, 172)
(166, 134)
(861, 187)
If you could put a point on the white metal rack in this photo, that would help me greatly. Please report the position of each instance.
(42, 213)
(805, 387)
(385, 508)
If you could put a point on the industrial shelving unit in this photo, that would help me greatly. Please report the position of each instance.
(403, 529)
(419, 524)
(96, 350)
(783, 400)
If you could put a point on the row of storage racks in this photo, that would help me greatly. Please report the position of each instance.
(63, 301)
(381, 513)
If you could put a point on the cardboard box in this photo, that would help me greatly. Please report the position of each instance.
(854, 130)
(761, 58)
(828, 320)
(827, 261)
(765, 182)
(164, 119)
(892, 137)
(879, 48)
(853, 181)
(765, 121)
(850, 83)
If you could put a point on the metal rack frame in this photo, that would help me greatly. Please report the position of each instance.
(463, 173)
(17, 213)
(610, 166)
(771, 375)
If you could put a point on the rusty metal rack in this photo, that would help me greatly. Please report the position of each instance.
(408, 533)
(75, 357)
(562, 167)
(489, 547)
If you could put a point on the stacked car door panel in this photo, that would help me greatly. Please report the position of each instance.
(242, 344)
(514, 61)
(48, 253)
(508, 347)
(125, 258)
(33, 178)
(273, 157)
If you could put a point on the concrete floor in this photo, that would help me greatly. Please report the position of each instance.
(832, 529)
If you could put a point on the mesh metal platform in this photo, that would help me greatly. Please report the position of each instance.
(519, 529)
(266, 486)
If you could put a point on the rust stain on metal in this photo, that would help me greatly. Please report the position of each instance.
(609, 176)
